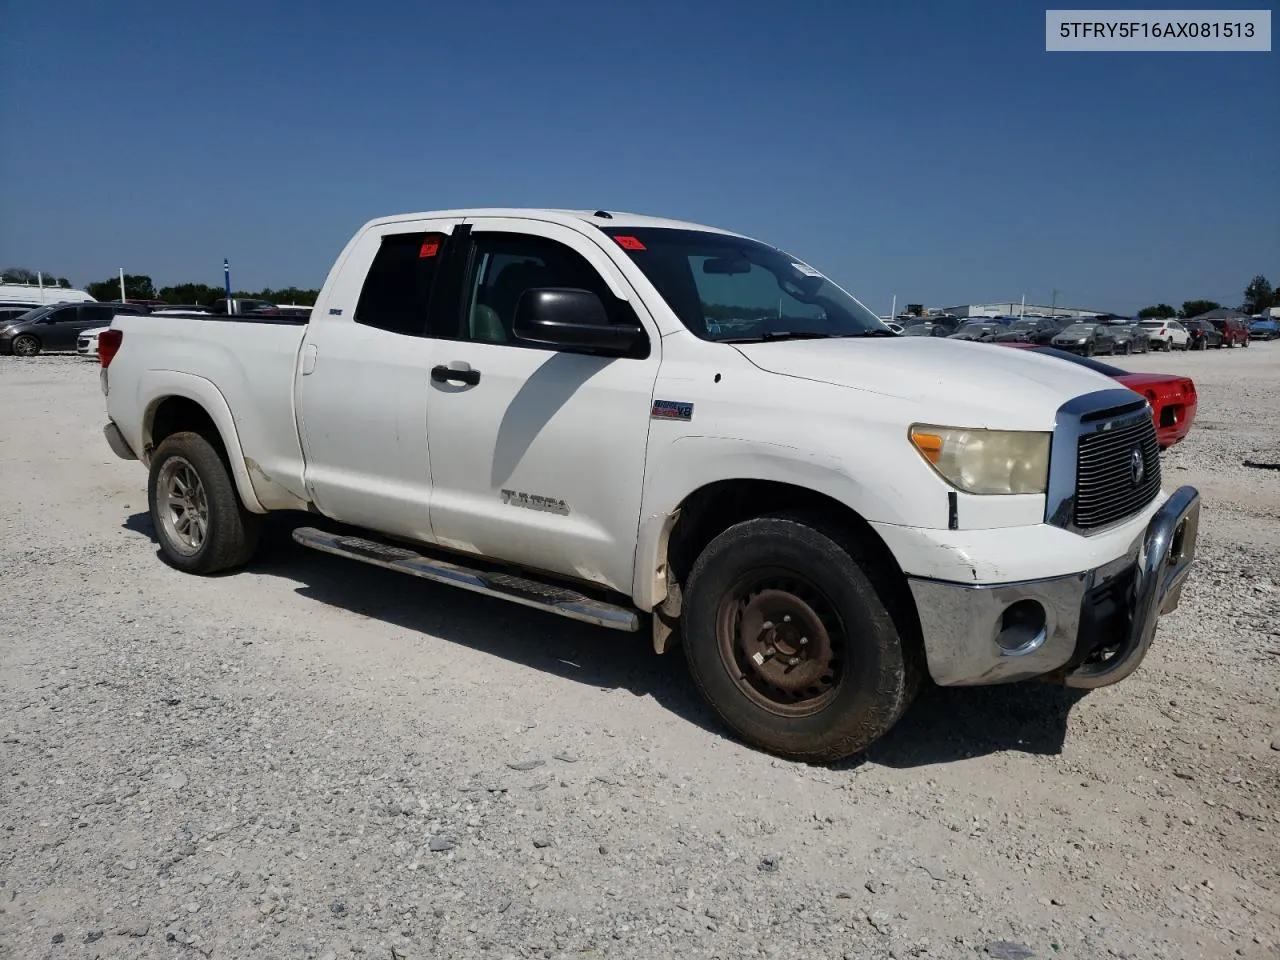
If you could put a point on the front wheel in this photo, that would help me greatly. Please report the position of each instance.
(25, 345)
(199, 519)
(790, 643)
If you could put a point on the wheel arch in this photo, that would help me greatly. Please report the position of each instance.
(185, 402)
(716, 506)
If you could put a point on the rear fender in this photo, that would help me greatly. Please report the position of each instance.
(159, 385)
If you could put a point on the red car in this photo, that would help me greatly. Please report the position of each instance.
(1172, 398)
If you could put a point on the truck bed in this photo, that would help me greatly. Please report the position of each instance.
(244, 365)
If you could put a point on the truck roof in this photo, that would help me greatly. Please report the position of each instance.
(599, 218)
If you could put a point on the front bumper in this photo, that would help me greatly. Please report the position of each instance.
(1087, 630)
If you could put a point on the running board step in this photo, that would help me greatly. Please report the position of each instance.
(505, 586)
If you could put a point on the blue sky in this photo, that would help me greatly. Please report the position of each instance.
(931, 150)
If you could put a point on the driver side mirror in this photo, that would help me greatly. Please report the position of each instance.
(572, 319)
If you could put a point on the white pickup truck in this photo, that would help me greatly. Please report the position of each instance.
(645, 423)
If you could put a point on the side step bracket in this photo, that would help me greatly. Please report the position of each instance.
(505, 586)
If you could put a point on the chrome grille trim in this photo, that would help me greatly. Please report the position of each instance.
(1090, 461)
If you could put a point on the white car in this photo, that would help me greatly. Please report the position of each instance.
(1166, 334)
(550, 407)
(87, 342)
(895, 327)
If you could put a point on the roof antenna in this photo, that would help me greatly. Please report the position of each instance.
(603, 215)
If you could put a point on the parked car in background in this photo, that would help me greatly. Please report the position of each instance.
(1264, 329)
(37, 295)
(1203, 335)
(1234, 332)
(927, 330)
(1086, 339)
(1166, 334)
(59, 326)
(1130, 337)
(239, 307)
(10, 312)
(1172, 397)
(172, 308)
(895, 327)
(1032, 330)
(983, 331)
(87, 342)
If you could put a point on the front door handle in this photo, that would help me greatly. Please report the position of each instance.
(468, 376)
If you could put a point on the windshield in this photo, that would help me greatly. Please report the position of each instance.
(1080, 329)
(1152, 324)
(730, 288)
(919, 330)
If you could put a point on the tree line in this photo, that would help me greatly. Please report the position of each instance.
(139, 286)
(1259, 295)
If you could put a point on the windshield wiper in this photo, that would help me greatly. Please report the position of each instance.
(874, 333)
(782, 335)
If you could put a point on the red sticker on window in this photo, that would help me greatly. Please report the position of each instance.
(629, 243)
(430, 247)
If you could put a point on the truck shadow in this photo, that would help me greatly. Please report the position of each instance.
(943, 725)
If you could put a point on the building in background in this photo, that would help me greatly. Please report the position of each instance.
(1005, 308)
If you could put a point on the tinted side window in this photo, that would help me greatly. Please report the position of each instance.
(503, 267)
(62, 315)
(397, 292)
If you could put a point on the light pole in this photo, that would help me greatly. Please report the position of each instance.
(226, 280)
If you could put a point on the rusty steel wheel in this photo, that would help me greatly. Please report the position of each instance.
(783, 642)
(791, 635)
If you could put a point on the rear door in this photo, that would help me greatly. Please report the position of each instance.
(364, 375)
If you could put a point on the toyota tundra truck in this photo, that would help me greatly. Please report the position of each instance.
(649, 424)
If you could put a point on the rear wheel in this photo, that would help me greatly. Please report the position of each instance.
(199, 519)
(790, 643)
(25, 345)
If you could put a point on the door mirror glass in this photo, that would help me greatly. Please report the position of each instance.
(571, 318)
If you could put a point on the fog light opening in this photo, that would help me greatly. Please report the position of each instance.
(1175, 546)
(1023, 628)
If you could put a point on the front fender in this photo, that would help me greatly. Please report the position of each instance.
(690, 463)
(156, 386)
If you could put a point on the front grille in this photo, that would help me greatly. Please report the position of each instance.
(1106, 490)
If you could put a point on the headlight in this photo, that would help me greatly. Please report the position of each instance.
(986, 461)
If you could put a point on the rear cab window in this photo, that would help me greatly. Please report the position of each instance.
(397, 291)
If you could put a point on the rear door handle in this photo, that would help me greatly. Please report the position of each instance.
(466, 375)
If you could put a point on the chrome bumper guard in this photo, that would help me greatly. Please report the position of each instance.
(1087, 630)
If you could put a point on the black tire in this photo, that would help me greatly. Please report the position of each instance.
(863, 674)
(1088, 350)
(25, 345)
(229, 533)
(1128, 348)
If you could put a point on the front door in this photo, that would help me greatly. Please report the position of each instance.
(363, 378)
(537, 455)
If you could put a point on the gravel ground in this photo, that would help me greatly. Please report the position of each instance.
(316, 759)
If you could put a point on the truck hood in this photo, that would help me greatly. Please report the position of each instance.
(985, 384)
